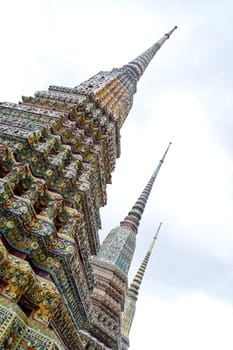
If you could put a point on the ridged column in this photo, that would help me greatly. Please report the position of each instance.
(133, 218)
(132, 295)
(138, 66)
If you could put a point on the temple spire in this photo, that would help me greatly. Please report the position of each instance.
(132, 294)
(135, 285)
(111, 92)
(133, 218)
(137, 66)
(112, 263)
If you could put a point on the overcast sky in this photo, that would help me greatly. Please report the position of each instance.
(185, 96)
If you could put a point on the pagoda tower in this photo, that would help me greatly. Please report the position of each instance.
(132, 295)
(110, 268)
(57, 151)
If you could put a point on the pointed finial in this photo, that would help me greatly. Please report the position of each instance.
(157, 232)
(165, 153)
(133, 218)
(161, 161)
(171, 31)
(154, 238)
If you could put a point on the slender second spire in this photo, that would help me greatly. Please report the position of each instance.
(132, 294)
(135, 285)
(133, 218)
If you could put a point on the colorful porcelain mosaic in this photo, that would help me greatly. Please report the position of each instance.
(58, 289)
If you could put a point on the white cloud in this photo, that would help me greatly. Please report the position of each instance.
(192, 322)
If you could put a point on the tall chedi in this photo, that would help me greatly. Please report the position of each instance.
(132, 295)
(111, 266)
(57, 151)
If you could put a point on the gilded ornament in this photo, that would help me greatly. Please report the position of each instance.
(34, 245)
(42, 257)
(49, 173)
(70, 249)
(10, 224)
(57, 264)
(2, 270)
(24, 209)
(24, 281)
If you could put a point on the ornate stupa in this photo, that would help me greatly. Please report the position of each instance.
(110, 268)
(59, 288)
